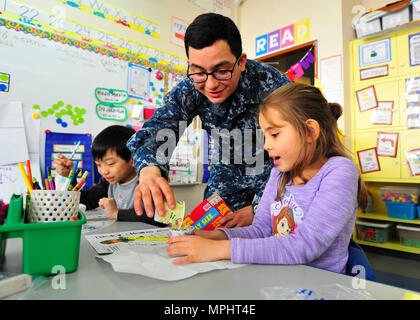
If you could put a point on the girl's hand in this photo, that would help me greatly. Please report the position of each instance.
(110, 207)
(211, 235)
(197, 249)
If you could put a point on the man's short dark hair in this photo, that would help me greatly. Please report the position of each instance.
(207, 28)
(112, 138)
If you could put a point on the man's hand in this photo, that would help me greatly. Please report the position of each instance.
(63, 165)
(153, 188)
(110, 207)
(240, 218)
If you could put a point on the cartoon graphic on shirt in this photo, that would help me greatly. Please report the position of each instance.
(283, 223)
(285, 215)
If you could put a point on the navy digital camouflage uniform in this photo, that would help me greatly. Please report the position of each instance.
(230, 178)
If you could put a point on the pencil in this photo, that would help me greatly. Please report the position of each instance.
(25, 177)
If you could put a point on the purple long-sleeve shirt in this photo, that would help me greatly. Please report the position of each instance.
(324, 212)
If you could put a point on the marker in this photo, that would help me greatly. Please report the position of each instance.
(50, 179)
(25, 177)
(74, 181)
(68, 185)
(74, 150)
(36, 184)
(79, 185)
(47, 184)
(28, 170)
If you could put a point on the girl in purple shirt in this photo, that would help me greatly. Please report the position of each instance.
(308, 209)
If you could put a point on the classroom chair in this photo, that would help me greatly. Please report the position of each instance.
(358, 257)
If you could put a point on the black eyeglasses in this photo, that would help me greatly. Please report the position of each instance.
(201, 77)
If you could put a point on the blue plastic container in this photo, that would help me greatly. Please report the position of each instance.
(405, 211)
(418, 212)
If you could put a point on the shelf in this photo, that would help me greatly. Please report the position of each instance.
(393, 245)
(384, 217)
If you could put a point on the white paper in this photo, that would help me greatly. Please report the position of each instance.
(111, 242)
(154, 262)
(12, 134)
(383, 113)
(331, 70)
(387, 144)
(11, 115)
(368, 160)
(11, 179)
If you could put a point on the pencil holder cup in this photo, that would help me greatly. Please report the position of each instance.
(53, 205)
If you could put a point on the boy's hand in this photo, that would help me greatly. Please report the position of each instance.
(110, 207)
(63, 165)
(240, 218)
(197, 249)
(153, 188)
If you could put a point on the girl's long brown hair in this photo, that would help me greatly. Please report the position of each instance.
(298, 103)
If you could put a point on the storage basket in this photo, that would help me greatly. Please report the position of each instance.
(397, 210)
(409, 235)
(53, 205)
(45, 246)
(377, 232)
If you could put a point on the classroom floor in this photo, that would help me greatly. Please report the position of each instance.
(398, 269)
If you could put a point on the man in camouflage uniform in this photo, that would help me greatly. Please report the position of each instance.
(225, 90)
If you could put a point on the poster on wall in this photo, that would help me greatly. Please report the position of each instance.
(368, 160)
(387, 144)
(366, 98)
(413, 159)
(413, 102)
(375, 52)
(382, 115)
(414, 45)
(374, 72)
(331, 69)
(178, 29)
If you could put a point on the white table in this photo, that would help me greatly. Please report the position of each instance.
(95, 279)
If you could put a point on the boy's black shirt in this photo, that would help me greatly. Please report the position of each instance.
(91, 197)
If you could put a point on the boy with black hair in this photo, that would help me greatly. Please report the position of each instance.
(115, 190)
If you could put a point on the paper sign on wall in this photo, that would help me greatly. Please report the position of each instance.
(387, 144)
(117, 113)
(282, 38)
(382, 115)
(111, 96)
(368, 160)
(178, 31)
(367, 98)
(413, 158)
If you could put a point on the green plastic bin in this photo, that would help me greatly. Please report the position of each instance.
(47, 245)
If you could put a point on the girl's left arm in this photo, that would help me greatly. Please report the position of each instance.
(334, 204)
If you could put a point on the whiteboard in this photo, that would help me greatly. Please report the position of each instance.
(61, 77)
(56, 78)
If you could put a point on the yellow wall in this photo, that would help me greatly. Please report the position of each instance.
(330, 24)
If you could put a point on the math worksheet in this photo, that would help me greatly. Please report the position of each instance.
(112, 242)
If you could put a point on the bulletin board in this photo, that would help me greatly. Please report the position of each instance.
(72, 86)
